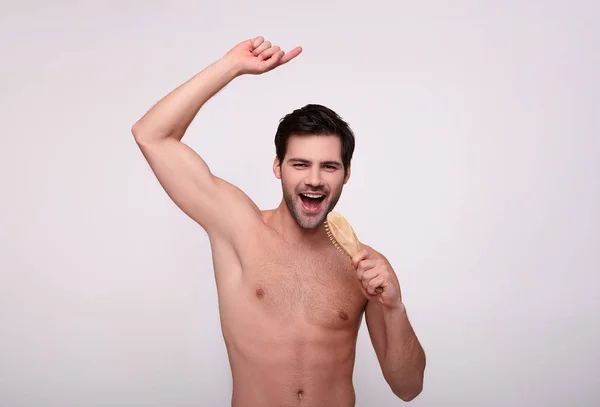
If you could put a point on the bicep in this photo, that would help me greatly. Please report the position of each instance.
(184, 175)
(376, 328)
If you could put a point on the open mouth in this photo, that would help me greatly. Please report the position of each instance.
(312, 202)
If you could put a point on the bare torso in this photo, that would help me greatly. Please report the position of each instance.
(290, 317)
(290, 312)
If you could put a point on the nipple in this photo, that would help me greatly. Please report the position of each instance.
(260, 293)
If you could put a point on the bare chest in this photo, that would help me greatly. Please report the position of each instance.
(320, 288)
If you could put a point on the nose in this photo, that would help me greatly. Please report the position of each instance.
(314, 178)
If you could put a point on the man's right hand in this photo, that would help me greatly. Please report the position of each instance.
(257, 56)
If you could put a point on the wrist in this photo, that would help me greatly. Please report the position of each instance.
(394, 310)
(230, 66)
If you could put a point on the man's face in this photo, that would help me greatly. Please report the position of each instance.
(312, 178)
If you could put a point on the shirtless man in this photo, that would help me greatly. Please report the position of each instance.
(290, 303)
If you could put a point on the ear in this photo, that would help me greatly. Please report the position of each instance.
(277, 168)
(348, 171)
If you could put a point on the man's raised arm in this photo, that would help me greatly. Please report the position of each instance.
(183, 174)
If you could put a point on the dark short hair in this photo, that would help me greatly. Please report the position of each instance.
(314, 119)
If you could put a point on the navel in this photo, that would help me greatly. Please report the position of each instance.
(300, 394)
(343, 315)
(260, 293)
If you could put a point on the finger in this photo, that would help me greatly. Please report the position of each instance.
(376, 285)
(364, 291)
(257, 41)
(359, 256)
(273, 61)
(290, 55)
(359, 274)
(364, 267)
(269, 52)
(367, 277)
(370, 274)
(263, 46)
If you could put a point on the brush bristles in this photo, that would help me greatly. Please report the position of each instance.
(349, 239)
(343, 234)
(335, 243)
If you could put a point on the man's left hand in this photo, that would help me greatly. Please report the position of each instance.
(373, 271)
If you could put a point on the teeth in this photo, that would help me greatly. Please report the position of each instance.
(313, 195)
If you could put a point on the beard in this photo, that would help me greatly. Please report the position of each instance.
(306, 220)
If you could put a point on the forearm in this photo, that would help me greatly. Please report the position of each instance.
(404, 359)
(172, 115)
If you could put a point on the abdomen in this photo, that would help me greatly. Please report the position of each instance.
(289, 363)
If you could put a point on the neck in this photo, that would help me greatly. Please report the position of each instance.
(285, 224)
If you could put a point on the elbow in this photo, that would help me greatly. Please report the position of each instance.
(144, 133)
(137, 132)
(408, 393)
(408, 387)
(141, 133)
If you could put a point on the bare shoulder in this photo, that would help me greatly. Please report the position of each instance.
(372, 251)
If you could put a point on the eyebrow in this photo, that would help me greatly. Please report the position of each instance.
(304, 161)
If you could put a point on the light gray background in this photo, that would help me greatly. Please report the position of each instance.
(476, 172)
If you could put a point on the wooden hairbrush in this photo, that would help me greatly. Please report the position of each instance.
(343, 237)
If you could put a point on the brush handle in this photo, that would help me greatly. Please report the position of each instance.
(350, 244)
